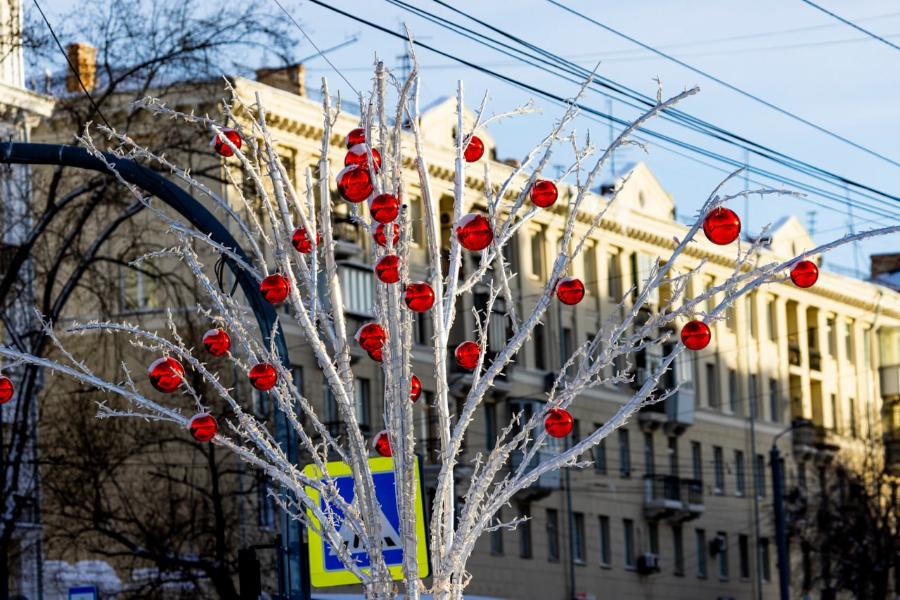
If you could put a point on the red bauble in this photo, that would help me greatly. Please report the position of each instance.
(467, 354)
(165, 374)
(384, 208)
(474, 232)
(722, 226)
(223, 149)
(695, 335)
(275, 288)
(570, 290)
(415, 388)
(544, 193)
(356, 136)
(217, 341)
(203, 427)
(371, 337)
(474, 150)
(359, 155)
(387, 269)
(355, 184)
(301, 242)
(419, 296)
(382, 444)
(380, 234)
(7, 389)
(263, 376)
(805, 273)
(558, 423)
(377, 355)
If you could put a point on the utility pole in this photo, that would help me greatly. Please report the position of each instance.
(784, 568)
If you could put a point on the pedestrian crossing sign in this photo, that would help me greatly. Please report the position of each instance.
(325, 568)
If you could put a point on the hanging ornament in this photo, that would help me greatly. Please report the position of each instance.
(275, 288)
(544, 193)
(217, 341)
(695, 335)
(377, 355)
(371, 337)
(467, 355)
(474, 150)
(558, 423)
(223, 149)
(301, 242)
(358, 155)
(263, 376)
(382, 444)
(7, 389)
(203, 427)
(356, 136)
(165, 374)
(419, 296)
(387, 269)
(380, 234)
(805, 274)
(384, 208)
(570, 290)
(415, 388)
(355, 184)
(722, 226)
(474, 232)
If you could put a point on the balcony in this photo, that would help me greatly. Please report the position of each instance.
(794, 354)
(546, 483)
(890, 381)
(672, 498)
(810, 440)
(815, 360)
(892, 452)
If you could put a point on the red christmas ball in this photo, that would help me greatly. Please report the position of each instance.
(217, 341)
(544, 193)
(371, 337)
(474, 150)
(722, 226)
(384, 208)
(474, 232)
(415, 388)
(695, 335)
(467, 354)
(419, 296)
(358, 155)
(165, 374)
(377, 355)
(301, 242)
(203, 427)
(7, 389)
(387, 269)
(263, 376)
(805, 273)
(355, 184)
(275, 288)
(570, 290)
(382, 444)
(356, 136)
(381, 235)
(558, 423)
(223, 149)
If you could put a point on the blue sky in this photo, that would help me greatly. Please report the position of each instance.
(781, 50)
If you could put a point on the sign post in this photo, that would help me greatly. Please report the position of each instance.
(85, 592)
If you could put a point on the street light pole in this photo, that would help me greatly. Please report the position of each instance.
(781, 540)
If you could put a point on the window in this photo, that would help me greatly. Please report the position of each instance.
(628, 526)
(852, 421)
(363, 403)
(614, 275)
(416, 224)
(264, 501)
(578, 538)
(750, 304)
(760, 475)
(771, 320)
(867, 347)
(729, 317)
(332, 420)
(673, 456)
(764, 559)
(677, 550)
(566, 348)
(649, 463)
(653, 536)
(848, 341)
(490, 425)
(723, 554)
(712, 387)
(137, 290)
(540, 347)
(831, 332)
(590, 267)
(537, 252)
(697, 461)
(552, 535)
(743, 556)
(497, 536)
(718, 471)
(605, 550)
(701, 553)
(600, 454)
(261, 403)
(358, 285)
(753, 392)
(524, 530)
(624, 454)
(774, 401)
(422, 328)
(711, 298)
(732, 391)
(739, 484)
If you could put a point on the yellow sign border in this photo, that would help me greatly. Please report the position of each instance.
(319, 577)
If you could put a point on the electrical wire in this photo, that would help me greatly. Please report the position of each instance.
(852, 24)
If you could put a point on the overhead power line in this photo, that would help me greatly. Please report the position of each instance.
(853, 25)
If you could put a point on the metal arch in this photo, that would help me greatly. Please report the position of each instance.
(293, 579)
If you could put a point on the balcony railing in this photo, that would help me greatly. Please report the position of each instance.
(794, 354)
(815, 360)
(671, 497)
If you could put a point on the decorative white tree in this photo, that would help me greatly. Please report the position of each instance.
(297, 239)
